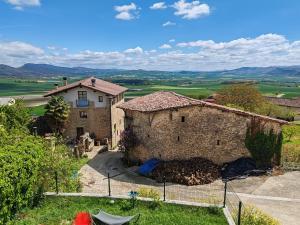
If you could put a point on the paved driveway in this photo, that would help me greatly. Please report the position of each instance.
(279, 196)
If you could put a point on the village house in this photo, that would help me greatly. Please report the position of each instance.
(291, 104)
(93, 109)
(170, 126)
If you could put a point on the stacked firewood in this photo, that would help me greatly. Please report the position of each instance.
(189, 172)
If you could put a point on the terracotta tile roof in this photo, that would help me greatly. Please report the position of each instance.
(162, 100)
(285, 101)
(100, 85)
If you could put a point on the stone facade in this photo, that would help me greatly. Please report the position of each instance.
(191, 131)
(97, 122)
(93, 109)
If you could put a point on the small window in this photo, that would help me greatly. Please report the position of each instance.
(115, 127)
(170, 116)
(218, 142)
(183, 119)
(82, 95)
(100, 98)
(178, 138)
(83, 114)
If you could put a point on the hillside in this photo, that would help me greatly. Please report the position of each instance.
(288, 73)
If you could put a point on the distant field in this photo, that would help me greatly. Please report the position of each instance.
(13, 87)
(193, 87)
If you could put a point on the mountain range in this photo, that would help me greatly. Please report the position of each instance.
(47, 70)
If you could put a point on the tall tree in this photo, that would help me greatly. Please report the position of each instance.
(244, 96)
(57, 110)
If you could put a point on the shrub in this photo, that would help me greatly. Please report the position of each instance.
(127, 142)
(254, 216)
(291, 154)
(290, 131)
(264, 146)
(59, 159)
(148, 193)
(21, 157)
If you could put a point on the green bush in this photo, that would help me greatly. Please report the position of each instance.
(59, 159)
(264, 146)
(20, 165)
(254, 216)
(148, 193)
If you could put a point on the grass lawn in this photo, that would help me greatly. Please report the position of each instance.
(291, 148)
(62, 210)
(38, 110)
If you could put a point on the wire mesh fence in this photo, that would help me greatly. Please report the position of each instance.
(233, 203)
(120, 184)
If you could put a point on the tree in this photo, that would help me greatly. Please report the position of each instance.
(290, 131)
(244, 96)
(57, 110)
(15, 116)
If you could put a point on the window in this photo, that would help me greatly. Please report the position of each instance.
(82, 95)
(183, 119)
(178, 138)
(83, 114)
(115, 127)
(218, 142)
(100, 98)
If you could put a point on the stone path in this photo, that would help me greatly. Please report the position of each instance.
(94, 174)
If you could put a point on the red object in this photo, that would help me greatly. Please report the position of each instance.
(82, 218)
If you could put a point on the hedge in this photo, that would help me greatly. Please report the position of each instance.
(20, 166)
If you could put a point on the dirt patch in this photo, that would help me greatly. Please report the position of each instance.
(189, 172)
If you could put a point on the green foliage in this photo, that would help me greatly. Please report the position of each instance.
(126, 205)
(58, 158)
(244, 96)
(21, 157)
(148, 193)
(290, 131)
(153, 194)
(16, 116)
(57, 110)
(264, 146)
(127, 141)
(254, 216)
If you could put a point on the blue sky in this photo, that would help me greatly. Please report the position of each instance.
(149, 34)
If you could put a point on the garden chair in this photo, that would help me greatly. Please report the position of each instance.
(106, 218)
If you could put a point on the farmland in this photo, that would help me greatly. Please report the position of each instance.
(192, 87)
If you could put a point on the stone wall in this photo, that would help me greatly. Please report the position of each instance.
(194, 131)
(97, 122)
(117, 122)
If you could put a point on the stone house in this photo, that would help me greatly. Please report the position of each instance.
(93, 109)
(169, 126)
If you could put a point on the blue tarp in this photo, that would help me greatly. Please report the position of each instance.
(148, 166)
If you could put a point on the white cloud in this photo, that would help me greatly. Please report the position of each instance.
(158, 5)
(126, 12)
(137, 50)
(172, 40)
(168, 23)
(20, 4)
(191, 10)
(264, 50)
(165, 46)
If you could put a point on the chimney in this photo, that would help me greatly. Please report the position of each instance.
(93, 82)
(65, 80)
(56, 86)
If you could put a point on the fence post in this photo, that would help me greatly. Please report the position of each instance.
(225, 194)
(108, 179)
(240, 213)
(56, 182)
(164, 188)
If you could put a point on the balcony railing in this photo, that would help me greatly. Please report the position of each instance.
(82, 103)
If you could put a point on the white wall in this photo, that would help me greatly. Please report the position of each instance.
(72, 95)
